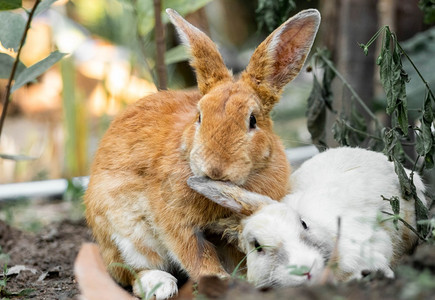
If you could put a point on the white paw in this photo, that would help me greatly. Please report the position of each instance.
(160, 283)
(388, 272)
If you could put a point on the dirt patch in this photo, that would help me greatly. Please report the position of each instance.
(49, 256)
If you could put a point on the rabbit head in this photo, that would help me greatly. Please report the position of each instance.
(231, 136)
(283, 249)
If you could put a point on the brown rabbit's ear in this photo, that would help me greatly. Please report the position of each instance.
(206, 59)
(281, 56)
(229, 195)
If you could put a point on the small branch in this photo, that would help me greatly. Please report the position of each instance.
(362, 132)
(142, 42)
(418, 72)
(350, 88)
(370, 42)
(160, 46)
(406, 224)
(15, 65)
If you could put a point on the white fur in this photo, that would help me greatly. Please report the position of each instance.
(346, 183)
(179, 21)
(342, 183)
(150, 279)
(129, 253)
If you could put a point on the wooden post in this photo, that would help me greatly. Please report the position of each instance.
(160, 46)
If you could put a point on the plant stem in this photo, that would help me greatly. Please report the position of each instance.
(160, 46)
(349, 87)
(362, 132)
(15, 65)
(418, 72)
(375, 36)
(142, 42)
(406, 224)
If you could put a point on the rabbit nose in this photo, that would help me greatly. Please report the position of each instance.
(215, 173)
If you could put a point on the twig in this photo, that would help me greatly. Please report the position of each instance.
(14, 67)
(160, 46)
(405, 223)
(362, 132)
(142, 42)
(349, 87)
(418, 72)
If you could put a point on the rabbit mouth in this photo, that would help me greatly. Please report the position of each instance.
(215, 173)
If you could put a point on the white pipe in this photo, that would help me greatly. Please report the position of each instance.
(45, 188)
(57, 187)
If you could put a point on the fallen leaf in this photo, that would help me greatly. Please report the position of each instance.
(15, 270)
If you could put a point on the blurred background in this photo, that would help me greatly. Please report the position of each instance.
(59, 119)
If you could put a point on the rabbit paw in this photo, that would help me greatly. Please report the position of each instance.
(148, 280)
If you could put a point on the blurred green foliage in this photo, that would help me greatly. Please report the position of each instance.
(428, 8)
(272, 13)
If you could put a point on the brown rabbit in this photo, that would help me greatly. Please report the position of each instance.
(138, 204)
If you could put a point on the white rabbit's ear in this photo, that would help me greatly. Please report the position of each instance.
(229, 195)
(206, 59)
(281, 56)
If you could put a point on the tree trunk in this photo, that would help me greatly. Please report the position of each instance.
(160, 46)
(358, 23)
(345, 24)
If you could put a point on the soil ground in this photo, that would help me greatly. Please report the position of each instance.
(50, 253)
(49, 256)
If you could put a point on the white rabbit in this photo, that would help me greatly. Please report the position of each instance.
(301, 231)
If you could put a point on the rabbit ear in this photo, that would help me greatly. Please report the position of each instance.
(229, 195)
(281, 56)
(206, 59)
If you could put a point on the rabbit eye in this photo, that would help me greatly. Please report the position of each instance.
(304, 225)
(252, 122)
(257, 246)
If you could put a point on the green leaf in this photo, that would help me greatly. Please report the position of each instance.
(299, 270)
(316, 114)
(429, 157)
(395, 207)
(428, 8)
(395, 204)
(421, 211)
(176, 54)
(401, 117)
(405, 183)
(271, 14)
(365, 48)
(319, 100)
(393, 147)
(394, 79)
(350, 131)
(425, 137)
(43, 6)
(428, 114)
(6, 63)
(10, 4)
(11, 29)
(37, 69)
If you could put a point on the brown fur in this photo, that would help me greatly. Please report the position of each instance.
(138, 179)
